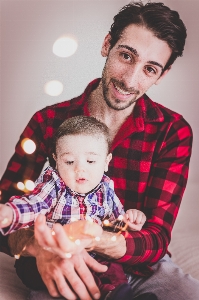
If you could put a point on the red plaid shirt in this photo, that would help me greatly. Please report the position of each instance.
(151, 154)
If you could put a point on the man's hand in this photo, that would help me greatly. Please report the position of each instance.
(59, 275)
(69, 277)
(68, 239)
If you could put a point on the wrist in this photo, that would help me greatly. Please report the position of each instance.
(111, 245)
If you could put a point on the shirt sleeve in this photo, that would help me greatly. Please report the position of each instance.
(166, 186)
(24, 166)
(114, 203)
(28, 207)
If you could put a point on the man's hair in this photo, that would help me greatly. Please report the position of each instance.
(82, 125)
(165, 24)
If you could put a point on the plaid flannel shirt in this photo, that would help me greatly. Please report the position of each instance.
(151, 154)
(52, 198)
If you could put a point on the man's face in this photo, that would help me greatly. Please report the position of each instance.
(133, 65)
(81, 161)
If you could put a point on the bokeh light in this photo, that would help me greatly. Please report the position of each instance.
(53, 88)
(28, 146)
(113, 238)
(29, 184)
(65, 46)
(20, 186)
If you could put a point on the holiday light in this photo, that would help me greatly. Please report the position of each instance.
(106, 222)
(68, 255)
(28, 145)
(78, 241)
(20, 186)
(29, 185)
(65, 46)
(53, 88)
(113, 238)
(5, 221)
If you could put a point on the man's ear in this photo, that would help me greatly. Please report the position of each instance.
(108, 159)
(106, 45)
(163, 75)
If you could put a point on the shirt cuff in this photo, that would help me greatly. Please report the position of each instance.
(130, 247)
(12, 227)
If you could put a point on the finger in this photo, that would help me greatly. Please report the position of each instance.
(93, 264)
(63, 287)
(139, 217)
(132, 213)
(43, 234)
(86, 284)
(51, 286)
(133, 226)
(62, 240)
(143, 219)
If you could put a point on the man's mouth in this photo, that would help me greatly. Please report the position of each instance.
(121, 91)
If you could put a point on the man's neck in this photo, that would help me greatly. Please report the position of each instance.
(99, 109)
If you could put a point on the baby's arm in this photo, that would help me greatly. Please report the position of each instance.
(6, 215)
(135, 219)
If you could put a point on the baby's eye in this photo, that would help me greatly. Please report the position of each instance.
(69, 162)
(90, 161)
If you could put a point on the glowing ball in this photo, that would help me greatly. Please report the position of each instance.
(29, 184)
(28, 146)
(65, 46)
(53, 88)
(20, 186)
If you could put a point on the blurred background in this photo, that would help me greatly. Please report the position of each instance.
(36, 71)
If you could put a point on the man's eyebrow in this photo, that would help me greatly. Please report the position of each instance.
(134, 51)
(156, 64)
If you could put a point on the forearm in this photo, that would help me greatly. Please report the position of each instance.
(113, 249)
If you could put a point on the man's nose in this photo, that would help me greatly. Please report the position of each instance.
(131, 77)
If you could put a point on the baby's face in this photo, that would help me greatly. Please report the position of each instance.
(81, 161)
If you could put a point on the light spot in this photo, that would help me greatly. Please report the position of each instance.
(29, 184)
(28, 145)
(114, 238)
(65, 46)
(53, 88)
(68, 255)
(20, 186)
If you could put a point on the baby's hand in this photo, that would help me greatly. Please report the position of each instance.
(135, 219)
(6, 215)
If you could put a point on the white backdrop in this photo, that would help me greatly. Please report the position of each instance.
(28, 30)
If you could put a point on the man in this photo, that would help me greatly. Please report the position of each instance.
(151, 148)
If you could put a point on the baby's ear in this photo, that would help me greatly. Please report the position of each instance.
(54, 156)
(108, 159)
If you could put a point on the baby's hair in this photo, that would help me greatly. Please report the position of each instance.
(82, 125)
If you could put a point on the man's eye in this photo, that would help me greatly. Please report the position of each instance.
(126, 56)
(151, 70)
(69, 162)
(90, 161)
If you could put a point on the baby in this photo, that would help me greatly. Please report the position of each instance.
(77, 189)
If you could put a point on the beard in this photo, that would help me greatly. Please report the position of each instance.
(117, 104)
